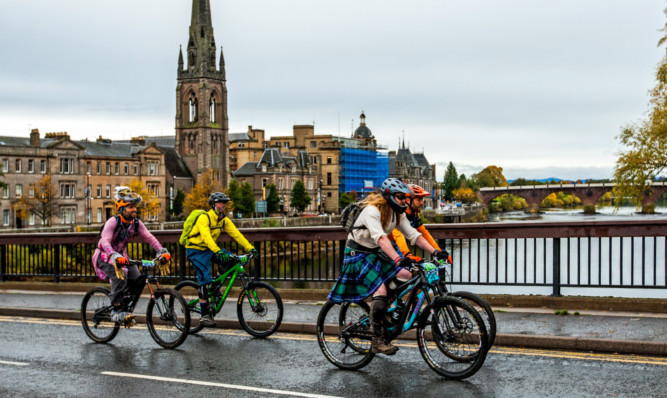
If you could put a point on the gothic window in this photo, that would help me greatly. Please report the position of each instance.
(211, 109)
(192, 109)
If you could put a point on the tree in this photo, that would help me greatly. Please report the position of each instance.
(645, 156)
(464, 194)
(39, 201)
(245, 202)
(177, 207)
(272, 199)
(299, 197)
(344, 199)
(149, 204)
(492, 176)
(198, 196)
(233, 191)
(450, 182)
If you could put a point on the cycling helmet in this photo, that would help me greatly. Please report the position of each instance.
(417, 191)
(217, 197)
(394, 186)
(124, 196)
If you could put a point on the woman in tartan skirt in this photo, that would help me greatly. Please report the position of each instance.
(370, 260)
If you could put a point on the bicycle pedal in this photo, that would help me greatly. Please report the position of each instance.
(129, 321)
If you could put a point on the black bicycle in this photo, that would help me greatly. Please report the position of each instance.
(167, 315)
(451, 334)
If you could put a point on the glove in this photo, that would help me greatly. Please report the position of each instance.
(442, 255)
(243, 259)
(165, 258)
(163, 263)
(416, 259)
(120, 263)
(405, 262)
(254, 253)
(223, 256)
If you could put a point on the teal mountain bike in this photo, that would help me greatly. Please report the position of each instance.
(259, 306)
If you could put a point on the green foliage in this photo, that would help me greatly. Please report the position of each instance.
(245, 203)
(344, 199)
(589, 209)
(450, 182)
(299, 197)
(491, 176)
(560, 199)
(272, 199)
(648, 208)
(179, 198)
(270, 223)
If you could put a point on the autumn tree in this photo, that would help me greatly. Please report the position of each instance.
(645, 155)
(450, 182)
(198, 196)
(272, 199)
(492, 176)
(149, 203)
(299, 197)
(464, 194)
(245, 202)
(39, 201)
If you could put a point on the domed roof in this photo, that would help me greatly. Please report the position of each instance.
(362, 131)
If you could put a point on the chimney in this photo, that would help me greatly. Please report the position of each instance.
(138, 140)
(34, 138)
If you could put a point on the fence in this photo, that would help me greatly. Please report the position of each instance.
(627, 254)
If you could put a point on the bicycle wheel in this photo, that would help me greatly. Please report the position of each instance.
(260, 309)
(96, 316)
(351, 313)
(345, 342)
(168, 318)
(484, 309)
(190, 292)
(452, 338)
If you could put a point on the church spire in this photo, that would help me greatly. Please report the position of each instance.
(180, 58)
(222, 65)
(201, 44)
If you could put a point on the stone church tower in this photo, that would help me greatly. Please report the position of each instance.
(201, 100)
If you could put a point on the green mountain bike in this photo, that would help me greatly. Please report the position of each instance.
(259, 306)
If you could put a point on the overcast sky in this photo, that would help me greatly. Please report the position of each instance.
(539, 88)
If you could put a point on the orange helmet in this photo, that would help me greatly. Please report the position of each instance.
(124, 197)
(418, 191)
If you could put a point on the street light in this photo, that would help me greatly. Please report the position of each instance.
(88, 210)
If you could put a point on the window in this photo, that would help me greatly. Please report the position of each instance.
(126, 168)
(153, 215)
(99, 167)
(152, 168)
(5, 192)
(99, 215)
(31, 219)
(19, 190)
(280, 183)
(211, 110)
(66, 166)
(117, 168)
(241, 144)
(328, 159)
(68, 215)
(310, 184)
(67, 190)
(5, 217)
(88, 168)
(313, 144)
(154, 188)
(18, 165)
(136, 169)
(285, 144)
(42, 166)
(108, 191)
(328, 178)
(192, 114)
(108, 168)
(5, 165)
(263, 167)
(329, 194)
(99, 191)
(31, 192)
(31, 166)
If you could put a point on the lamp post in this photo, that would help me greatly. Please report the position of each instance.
(88, 210)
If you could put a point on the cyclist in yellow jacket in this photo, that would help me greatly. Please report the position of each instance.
(412, 213)
(203, 250)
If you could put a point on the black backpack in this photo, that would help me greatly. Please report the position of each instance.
(349, 216)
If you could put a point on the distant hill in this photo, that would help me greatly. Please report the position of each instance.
(545, 180)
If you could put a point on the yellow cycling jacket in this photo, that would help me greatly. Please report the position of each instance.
(207, 230)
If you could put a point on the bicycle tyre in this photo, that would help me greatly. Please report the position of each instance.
(461, 353)
(350, 314)
(484, 309)
(254, 309)
(167, 318)
(96, 316)
(334, 344)
(190, 292)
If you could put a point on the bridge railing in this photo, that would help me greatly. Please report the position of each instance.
(626, 254)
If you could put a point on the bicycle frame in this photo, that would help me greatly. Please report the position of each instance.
(228, 277)
(145, 279)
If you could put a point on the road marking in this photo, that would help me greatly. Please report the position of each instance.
(620, 358)
(223, 385)
(14, 363)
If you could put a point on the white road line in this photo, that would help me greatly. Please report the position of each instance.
(14, 363)
(211, 384)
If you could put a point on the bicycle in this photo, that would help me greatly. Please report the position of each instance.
(167, 317)
(450, 333)
(259, 306)
(475, 300)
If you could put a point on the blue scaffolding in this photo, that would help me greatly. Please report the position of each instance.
(358, 167)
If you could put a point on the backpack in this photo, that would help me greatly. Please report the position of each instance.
(189, 224)
(118, 226)
(349, 216)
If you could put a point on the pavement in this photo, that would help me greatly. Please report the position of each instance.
(593, 324)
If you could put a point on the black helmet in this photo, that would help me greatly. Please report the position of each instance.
(217, 197)
(391, 187)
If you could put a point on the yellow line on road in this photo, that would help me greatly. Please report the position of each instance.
(621, 358)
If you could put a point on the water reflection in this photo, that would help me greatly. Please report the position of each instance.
(605, 213)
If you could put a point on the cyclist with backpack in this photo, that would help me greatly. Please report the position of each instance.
(416, 202)
(111, 259)
(202, 249)
(370, 260)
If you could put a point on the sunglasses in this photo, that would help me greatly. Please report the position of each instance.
(400, 196)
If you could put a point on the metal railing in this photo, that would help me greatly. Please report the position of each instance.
(608, 254)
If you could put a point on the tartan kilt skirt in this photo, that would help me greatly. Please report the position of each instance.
(362, 275)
